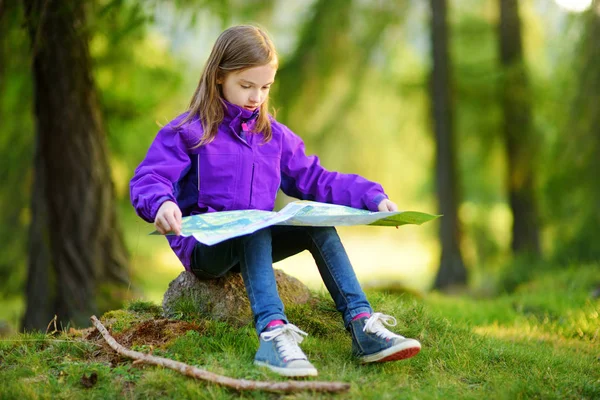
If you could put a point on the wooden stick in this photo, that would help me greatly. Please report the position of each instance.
(238, 384)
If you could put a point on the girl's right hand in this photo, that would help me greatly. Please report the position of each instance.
(168, 218)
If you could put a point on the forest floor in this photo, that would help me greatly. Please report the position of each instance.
(540, 341)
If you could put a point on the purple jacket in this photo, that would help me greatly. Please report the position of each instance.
(231, 173)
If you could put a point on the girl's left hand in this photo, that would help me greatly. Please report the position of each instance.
(387, 205)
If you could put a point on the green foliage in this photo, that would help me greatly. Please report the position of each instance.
(137, 78)
(571, 192)
(319, 86)
(538, 342)
(16, 148)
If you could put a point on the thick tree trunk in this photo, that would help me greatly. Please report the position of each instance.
(73, 183)
(452, 270)
(520, 149)
(39, 309)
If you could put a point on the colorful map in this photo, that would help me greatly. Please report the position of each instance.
(212, 228)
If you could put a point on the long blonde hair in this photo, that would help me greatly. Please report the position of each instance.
(237, 48)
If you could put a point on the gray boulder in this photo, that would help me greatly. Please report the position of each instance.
(224, 299)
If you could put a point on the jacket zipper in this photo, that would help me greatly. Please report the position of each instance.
(198, 172)
(251, 185)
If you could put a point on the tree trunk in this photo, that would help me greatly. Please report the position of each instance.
(39, 310)
(452, 269)
(73, 197)
(517, 129)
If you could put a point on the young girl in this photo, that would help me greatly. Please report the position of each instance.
(228, 153)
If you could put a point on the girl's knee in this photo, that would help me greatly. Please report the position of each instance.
(261, 234)
(205, 275)
(323, 231)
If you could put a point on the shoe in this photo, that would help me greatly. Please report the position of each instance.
(372, 342)
(279, 351)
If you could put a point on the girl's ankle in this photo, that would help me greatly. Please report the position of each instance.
(361, 315)
(274, 322)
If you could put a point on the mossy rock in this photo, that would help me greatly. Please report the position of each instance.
(223, 299)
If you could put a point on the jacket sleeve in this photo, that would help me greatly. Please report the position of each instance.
(166, 161)
(303, 177)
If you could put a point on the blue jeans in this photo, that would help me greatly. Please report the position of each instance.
(254, 254)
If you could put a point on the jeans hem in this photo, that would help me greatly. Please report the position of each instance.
(353, 313)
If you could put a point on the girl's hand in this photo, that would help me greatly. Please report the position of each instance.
(387, 205)
(168, 218)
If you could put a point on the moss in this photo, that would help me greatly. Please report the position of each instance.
(119, 320)
(141, 306)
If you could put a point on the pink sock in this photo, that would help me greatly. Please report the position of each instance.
(361, 315)
(275, 322)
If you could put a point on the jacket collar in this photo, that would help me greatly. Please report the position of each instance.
(233, 112)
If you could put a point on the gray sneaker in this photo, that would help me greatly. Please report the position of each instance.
(279, 351)
(373, 342)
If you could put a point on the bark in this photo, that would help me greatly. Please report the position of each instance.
(517, 132)
(73, 183)
(39, 310)
(452, 269)
(237, 384)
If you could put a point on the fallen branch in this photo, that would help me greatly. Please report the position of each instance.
(238, 384)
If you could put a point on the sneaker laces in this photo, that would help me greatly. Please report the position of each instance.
(286, 339)
(375, 325)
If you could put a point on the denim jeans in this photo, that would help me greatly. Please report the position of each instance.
(254, 254)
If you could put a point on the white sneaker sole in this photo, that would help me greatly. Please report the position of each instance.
(293, 372)
(407, 349)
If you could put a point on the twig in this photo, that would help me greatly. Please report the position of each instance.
(238, 384)
(52, 322)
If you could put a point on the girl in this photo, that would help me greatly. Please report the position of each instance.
(228, 153)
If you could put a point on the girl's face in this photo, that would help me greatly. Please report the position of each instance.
(248, 88)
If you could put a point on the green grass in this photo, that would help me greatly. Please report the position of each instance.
(540, 341)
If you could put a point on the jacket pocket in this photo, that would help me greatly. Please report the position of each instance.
(267, 179)
(217, 179)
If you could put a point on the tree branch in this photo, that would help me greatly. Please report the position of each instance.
(237, 384)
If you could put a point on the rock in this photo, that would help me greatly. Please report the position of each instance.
(224, 299)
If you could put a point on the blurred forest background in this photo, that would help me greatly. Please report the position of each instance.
(485, 111)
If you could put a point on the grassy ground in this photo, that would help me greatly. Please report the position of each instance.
(538, 342)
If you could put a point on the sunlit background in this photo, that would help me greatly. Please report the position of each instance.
(574, 5)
